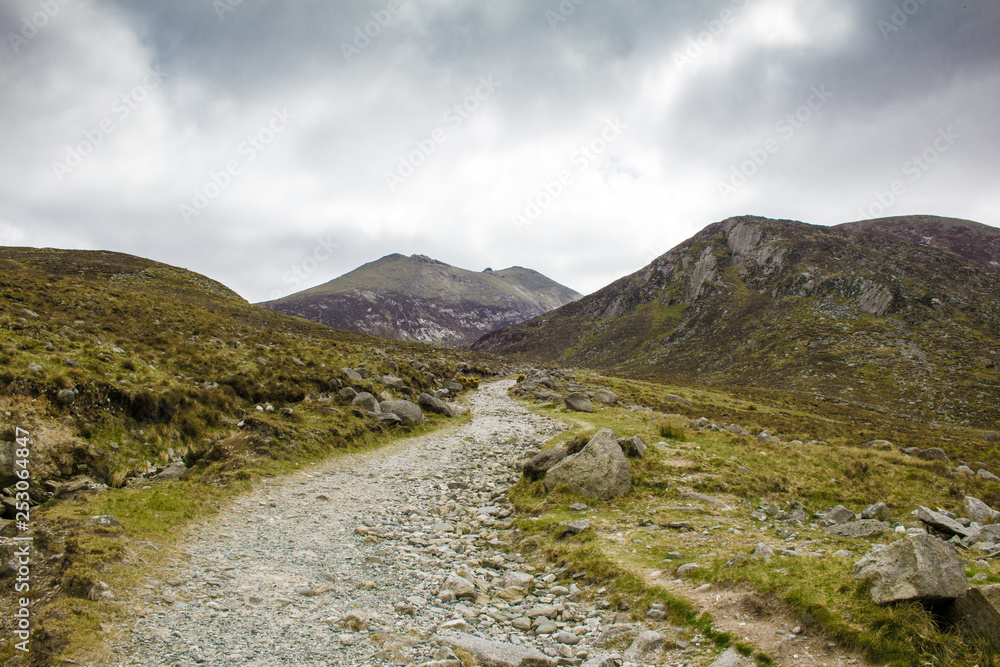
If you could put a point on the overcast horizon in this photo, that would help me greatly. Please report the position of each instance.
(274, 147)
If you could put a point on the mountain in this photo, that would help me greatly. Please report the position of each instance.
(421, 299)
(899, 314)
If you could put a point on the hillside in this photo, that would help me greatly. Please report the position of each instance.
(421, 299)
(897, 314)
(126, 375)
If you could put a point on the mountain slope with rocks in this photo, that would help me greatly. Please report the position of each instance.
(420, 299)
(899, 314)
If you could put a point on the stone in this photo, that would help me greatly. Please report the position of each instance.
(674, 398)
(862, 528)
(612, 660)
(539, 464)
(941, 522)
(633, 448)
(966, 470)
(460, 587)
(408, 411)
(732, 658)
(102, 521)
(65, 396)
(578, 402)
(702, 498)
(879, 511)
(979, 511)
(599, 470)
(434, 404)
(605, 396)
(517, 579)
(918, 567)
(568, 638)
(495, 654)
(983, 473)
(393, 382)
(546, 628)
(454, 387)
(762, 551)
(979, 609)
(576, 527)
(878, 444)
(685, 568)
(646, 643)
(352, 375)
(933, 454)
(347, 394)
(173, 472)
(367, 402)
(456, 409)
(840, 514)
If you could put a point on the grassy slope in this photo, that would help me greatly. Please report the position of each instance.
(630, 537)
(163, 360)
(933, 357)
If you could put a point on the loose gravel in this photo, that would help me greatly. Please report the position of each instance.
(378, 558)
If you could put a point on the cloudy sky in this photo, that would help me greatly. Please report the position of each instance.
(276, 145)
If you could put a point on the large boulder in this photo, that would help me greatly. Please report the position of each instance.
(599, 470)
(979, 511)
(941, 522)
(539, 464)
(366, 401)
(434, 404)
(633, 448)
(579, 402)
(918, 567)
(408, 411)
(605, 396)
(393, 382)
(979, 609)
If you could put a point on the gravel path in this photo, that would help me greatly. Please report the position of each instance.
(342, 565)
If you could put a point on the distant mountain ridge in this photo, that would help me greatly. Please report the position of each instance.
(421, 299)
(897, 313)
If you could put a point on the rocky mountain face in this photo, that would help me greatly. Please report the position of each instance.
(899, 314)
(420, 299)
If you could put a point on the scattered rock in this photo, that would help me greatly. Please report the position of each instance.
(407, 411)
(941, 522)
(879, 511)
(173, 472)
(933, 454)
(539, 464)
(862, 528)
(605, 396)
(840, 514)
(579, 402)
(599, 470)
(986, 474)
(883, 445)
(347, 394)
(646, 643)
(763, 551)
(731, 658)
(460, 587)
(979, 609)
(979, 511)
(367, 402)
(674, 398)
(496, 654)
(919, 567)
(633, 448)
(434, 404)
